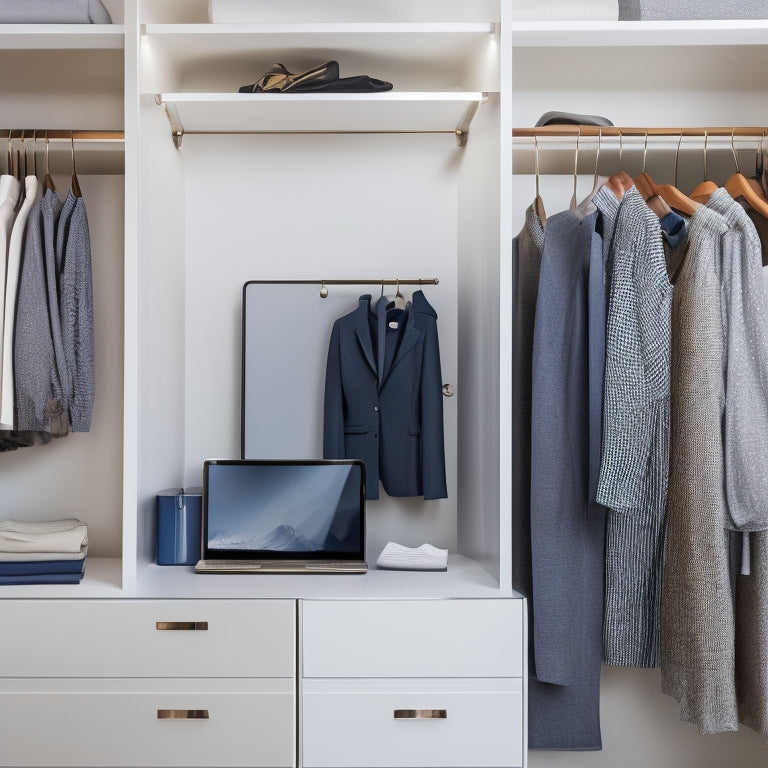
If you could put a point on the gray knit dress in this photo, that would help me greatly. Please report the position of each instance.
(745, 438)
(697, 616)
(635, 459)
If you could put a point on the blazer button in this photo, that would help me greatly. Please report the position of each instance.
(375, 407)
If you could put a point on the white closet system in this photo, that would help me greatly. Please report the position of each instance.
(374, 187)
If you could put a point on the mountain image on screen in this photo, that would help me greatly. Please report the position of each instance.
(284, 538)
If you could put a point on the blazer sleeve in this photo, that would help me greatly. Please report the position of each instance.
(333, 410)
(432, 438)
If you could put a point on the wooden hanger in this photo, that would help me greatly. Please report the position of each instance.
(701, 192)
(670, 193)
(739, 186)
(648, 188)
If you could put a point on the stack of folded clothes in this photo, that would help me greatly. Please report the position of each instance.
(51, 552)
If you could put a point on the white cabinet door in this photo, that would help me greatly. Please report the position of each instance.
(156, 638)
(412, 724)
(412, 638)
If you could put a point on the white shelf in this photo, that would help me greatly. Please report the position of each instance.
(390, 111)
(102, 579)
(463, 579)
(62, 36)
(621, 34)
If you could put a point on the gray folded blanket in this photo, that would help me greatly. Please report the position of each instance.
(53, 12)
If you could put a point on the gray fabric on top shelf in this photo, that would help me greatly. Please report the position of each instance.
(643, 10)
(53, 12)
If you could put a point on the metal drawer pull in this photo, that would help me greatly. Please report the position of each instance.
(182, 714)
(189, 626)
(421, 714)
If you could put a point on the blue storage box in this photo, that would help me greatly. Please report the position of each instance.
(179, 519)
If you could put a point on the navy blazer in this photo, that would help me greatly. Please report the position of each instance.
(383, 397)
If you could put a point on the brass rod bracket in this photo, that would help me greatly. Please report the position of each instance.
(462, 129)
(177, 131)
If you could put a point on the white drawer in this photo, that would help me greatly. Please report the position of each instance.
(116, 723)
(412, 638)
(120, 638)
(450, 723)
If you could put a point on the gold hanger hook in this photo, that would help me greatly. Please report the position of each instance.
(576, 162)
(47, 146)
(677, 157)
(536, 163)
(597, 154)
(323, 290)
(621, 150)
(733, 150)
(706, 138)
(72, 139)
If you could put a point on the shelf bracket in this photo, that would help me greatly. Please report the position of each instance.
(177, 132)
(462, 129)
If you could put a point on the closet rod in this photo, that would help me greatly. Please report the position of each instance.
(58, 135)
(612, 130)
(374, 281)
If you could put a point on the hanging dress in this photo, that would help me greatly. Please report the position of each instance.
(567, 529)
(697, 616)
(635, 460)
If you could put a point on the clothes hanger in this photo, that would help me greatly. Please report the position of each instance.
(648, 188)
(538, 203)
(399, 300)
(599, 181)
(48, 178)
(620, 182)
(574, 202)
(739, 186)
(76, 184)
(701, 192)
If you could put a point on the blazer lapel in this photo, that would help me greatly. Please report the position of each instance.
(363, 331)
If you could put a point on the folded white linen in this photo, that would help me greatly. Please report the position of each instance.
(31, 557)
(565, 10)
(62, 536)
(424, 558)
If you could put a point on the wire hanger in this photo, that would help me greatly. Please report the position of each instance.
(749, 189)
(701, 192)
(399, 300)
(75, 183)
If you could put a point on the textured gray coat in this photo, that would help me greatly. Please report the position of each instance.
(697, 627)
(567, 530)
(635, 460)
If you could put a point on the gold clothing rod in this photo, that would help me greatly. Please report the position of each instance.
(58, 135)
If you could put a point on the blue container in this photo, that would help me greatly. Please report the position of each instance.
(179, 518)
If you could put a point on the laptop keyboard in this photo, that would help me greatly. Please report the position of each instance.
(246, 566)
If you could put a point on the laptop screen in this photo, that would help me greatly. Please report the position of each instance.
(286, 510)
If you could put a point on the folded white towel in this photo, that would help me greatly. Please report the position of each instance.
(424, 558)
(31, 557)
(62, 536)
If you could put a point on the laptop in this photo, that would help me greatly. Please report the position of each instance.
(283, 516)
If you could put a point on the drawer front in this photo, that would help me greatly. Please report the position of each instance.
(122, 728)
(163, 638)
(412, 728)
(413, 638)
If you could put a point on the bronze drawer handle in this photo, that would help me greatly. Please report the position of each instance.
(421, 714)
(182, 714)
(175, 626)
